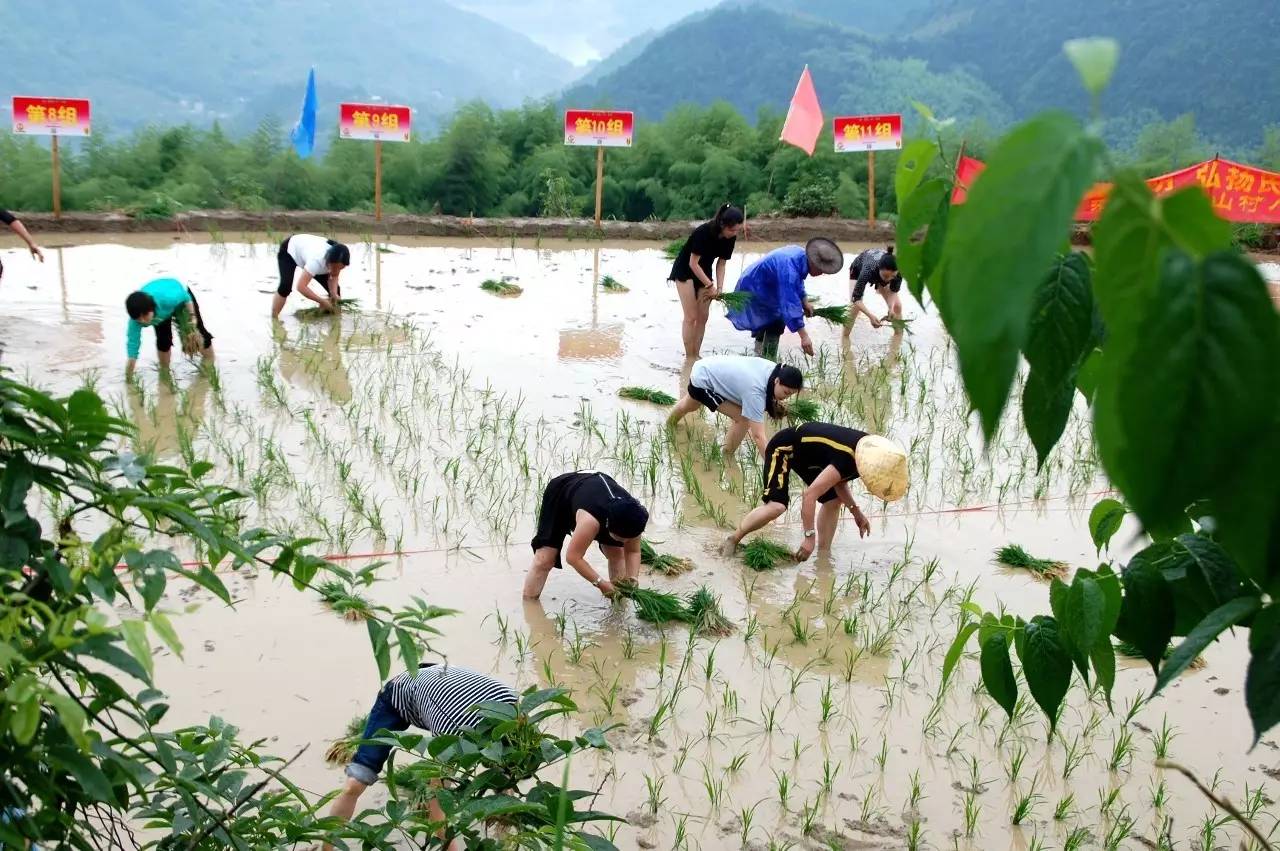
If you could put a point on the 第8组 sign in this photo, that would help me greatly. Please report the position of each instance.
(378, 122)
(599, 128)
(50, 116)
(868, 133)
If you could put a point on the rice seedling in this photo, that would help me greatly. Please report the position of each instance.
(1024, 808)
(706, 616)
(714, 787)
(809, 813)
(747, 815)
(752, 630)
(1122, 828)
(735, 300)
(1159, 796)
(317, 312)
(735, 764)
(1012, 555)
(1015, 763)
(1065, 807)
(868, 809)
(1130, 651)
(803, 410)
(784, 788)
(972, 812)
(610, 284)
(768, 717)
(797, 750)
(1076, 839)
(801, 630)
(883, 756)
(342, 750)
(653, 791)
(654, 606)
(647, 394)
(667, 565)
(628, 644)
(501, 288)
(829, 774)
(837, 314)
(681, 839)
(343, 600)
(1122, 750)
(763, 554)
(1164, 738)
(917, 790)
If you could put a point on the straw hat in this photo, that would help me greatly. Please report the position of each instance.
(825, 257)
(882, 466)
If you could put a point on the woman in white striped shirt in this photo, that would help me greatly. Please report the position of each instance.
(440, 699)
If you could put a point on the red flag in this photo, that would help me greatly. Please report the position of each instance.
(967, 171)
(804, 118)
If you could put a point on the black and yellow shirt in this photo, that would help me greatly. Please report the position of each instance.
(808, 449)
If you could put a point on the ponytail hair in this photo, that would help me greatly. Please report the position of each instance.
(337, 253)
(788, 376)
(887, 261)
(728, 216)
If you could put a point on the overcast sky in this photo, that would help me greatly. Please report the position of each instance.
(583, 30)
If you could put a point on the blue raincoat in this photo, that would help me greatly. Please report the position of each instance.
(776, 284)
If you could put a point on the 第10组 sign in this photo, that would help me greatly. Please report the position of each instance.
(377, 122)
(34, 116)
(599, 128)
(868, 133)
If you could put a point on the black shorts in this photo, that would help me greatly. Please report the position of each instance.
(288, 268)
(710, 399)
(164, 330)
(777, 470)
(557, 518)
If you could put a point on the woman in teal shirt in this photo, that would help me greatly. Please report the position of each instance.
(158, 305)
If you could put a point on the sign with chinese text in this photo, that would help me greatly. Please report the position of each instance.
(50, 116)
(597, 128)
(378, 122)
(868, 133)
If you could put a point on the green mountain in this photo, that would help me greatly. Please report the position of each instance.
(145, 61)
(751, 57)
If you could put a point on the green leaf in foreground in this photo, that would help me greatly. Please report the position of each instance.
(1046, 407)
(957, 648)
(1262, 682)
(1061, 326)
(1206, 632)
(997, 672)
(1147, 611)
(913, 164)
(1094, 60)
(1016, 217)
(918, 212)
(1047, 666)
(1104, 521)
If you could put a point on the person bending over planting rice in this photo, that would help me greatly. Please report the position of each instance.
(319, 259)
(587, 506)
(158, 305)
(777, 301)
(879, 267)
(439, 699)
(826, 457)
(710, 243)
(742, 388)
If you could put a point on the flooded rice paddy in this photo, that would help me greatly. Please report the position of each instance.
(419, 429)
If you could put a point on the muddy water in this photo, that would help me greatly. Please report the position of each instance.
(426, 421)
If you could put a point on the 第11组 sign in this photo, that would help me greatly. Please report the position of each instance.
(868, 133)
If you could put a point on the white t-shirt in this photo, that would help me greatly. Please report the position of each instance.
(308, 252)
(740, 379)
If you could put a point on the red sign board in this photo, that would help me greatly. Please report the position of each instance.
(868, 133)
(378, 122)
(50, 116)
(597, 128)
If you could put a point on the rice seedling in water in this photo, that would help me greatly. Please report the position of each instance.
(706, 616)
(1164, 738)
(1122, 750)
(655, 799)
(913, 835)
(1012, 555)
(344, 601)
(735, 300)
(803, 410)
(1024, 808)
(667, 565)
(784, 788)
(654, 606)
(1160, 796)
(1130, 651)
(837, 314)
(647, 394)
(1076, 839)
(502, 288)
(611, 284)
(735, 764)
(1066, 806)
(763, 554)
(342, 750)
(809, 816)
(316, 312)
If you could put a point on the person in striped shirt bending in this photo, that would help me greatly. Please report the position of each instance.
(440, 699)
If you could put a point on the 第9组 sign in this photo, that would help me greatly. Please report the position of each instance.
(599, 128)
(868, 133)
(377, 122)
(37, 116)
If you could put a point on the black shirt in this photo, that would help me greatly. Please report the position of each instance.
(865, 270)
(592, 493)
(709, 245)
(7, 218)
(818, 445)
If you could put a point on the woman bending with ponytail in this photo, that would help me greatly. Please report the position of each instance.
(742, 388)
(711, 243)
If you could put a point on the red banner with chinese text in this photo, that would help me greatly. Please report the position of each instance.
(378, 122)
(868, 133)
(599, 128)
(50, 116)
(1239, 193)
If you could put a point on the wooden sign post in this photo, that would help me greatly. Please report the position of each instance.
(869, 133)
(380, 123)
(54, 117)
(599, 129)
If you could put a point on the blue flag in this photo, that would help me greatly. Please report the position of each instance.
(304, 132)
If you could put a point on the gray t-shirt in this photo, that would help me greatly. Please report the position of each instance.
(740, 379)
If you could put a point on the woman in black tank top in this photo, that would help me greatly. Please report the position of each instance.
(591, 507)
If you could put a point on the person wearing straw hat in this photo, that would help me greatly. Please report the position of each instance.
(778, 302)
(826, 457)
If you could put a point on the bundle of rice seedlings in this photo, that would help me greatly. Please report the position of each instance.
(900, 325)
(312, 312)
(344, 601)
(673, 249)
(837, 314)
(763, 554)
(1124, 648)
(705, 614)
(803, 410)
(503, 288)
(646, 394)
(654, 606)
(735, 300)
(611, 284)
(667, 565)
(1012, 555)
(341, 751)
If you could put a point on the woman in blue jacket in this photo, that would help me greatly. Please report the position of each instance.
(776, 285)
